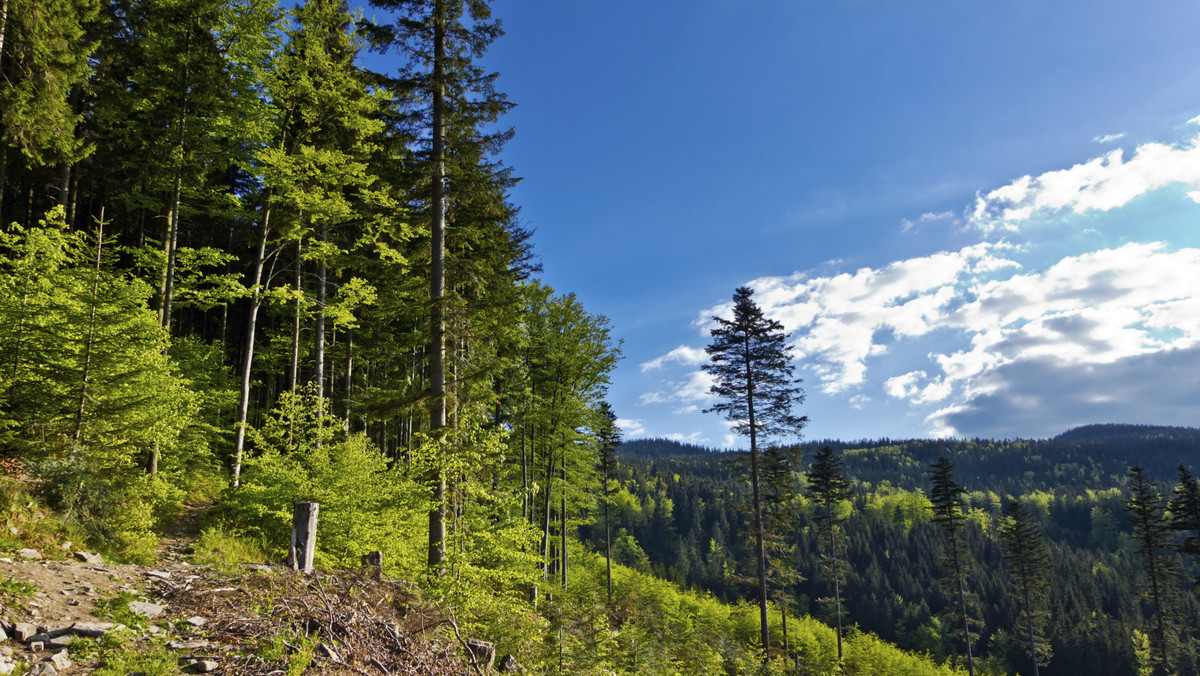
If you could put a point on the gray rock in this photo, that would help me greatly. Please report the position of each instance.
(90, 557)
(3, 635)
(484, 652)
(61, 660)
(91, 629)
(203, 667)
(24, 631)
(42, 669)
(60, 641)
(509, 665)
(187, 645)
(37, 646)
(146, 609)
(197, 621)
(159, 574)
(7, 668)
(31, 554)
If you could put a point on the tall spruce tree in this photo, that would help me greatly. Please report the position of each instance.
(456, 101)
(757, 392)
(946, 497)
(1028, 565)
(1146, 508)
(828, 487)
(1185, 518)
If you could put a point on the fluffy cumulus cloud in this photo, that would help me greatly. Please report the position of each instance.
(999, 341)
(631, 428)
(1100, 184)
(992, 338)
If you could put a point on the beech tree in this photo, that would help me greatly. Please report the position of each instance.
(757, 392)
(1028, 565)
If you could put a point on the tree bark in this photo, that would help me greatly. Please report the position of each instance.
(437, 289)
(87, 346)
(760, 550)
(256, 297)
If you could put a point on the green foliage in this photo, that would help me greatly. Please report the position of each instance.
(223, 548)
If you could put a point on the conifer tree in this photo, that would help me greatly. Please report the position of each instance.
(609, 437)
(828, 487)
(1028, 565)
(1146, 508)
(1185, 517)
(456, 101)
(757, 392)
(946, 497)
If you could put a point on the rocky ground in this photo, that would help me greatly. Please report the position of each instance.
(241, 620)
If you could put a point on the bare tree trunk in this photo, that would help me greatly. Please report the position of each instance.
(87, 346)
(437, 289)
(349, 378)
(295, 372)
(172, 243)
(256, 298)
(562, 529)
(546, 517)
(759, 549)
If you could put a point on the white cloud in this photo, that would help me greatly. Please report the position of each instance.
(693, 438)
(684, 410)
(906, 224)
(1108, 138)
(680, 355)
(1100, 184)
(1194, 120)
(631, 427)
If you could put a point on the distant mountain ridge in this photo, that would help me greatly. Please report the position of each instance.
(1093, 433)
(1128, 433)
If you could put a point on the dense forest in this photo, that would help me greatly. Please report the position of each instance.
(237, 265)
(677, 515)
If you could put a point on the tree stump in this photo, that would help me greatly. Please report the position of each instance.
(304, 536)
(372, 562)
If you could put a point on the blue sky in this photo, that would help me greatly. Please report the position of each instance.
(977, 219)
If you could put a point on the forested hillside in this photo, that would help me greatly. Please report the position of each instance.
(236, 265)
(678, 516)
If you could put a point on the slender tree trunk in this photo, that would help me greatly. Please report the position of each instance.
(562, 530)
(607, 537)
(172, 238)
(87, 346)
(834, 574)
(437, 289)
(760, 550)
(319, 330)
(525, 515)
(546, 518)
(1028, 612)
(962, 604)
(256, 297)
(349, 378)
(294, 374)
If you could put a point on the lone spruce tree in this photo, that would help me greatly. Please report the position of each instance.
(1028, 565)
(1151, 530)
(757, 390)
(947, 498)
(828, 486)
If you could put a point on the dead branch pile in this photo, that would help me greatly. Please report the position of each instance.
(349, 622)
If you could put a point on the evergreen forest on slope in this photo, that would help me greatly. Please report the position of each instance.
(237, 265)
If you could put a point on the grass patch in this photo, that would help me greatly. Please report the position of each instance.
(120, 659)
(116, 609)
(225, 549)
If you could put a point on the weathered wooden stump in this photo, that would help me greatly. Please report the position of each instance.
(304, 536)
(372, 562)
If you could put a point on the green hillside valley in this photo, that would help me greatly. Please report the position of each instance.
(262, 257)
